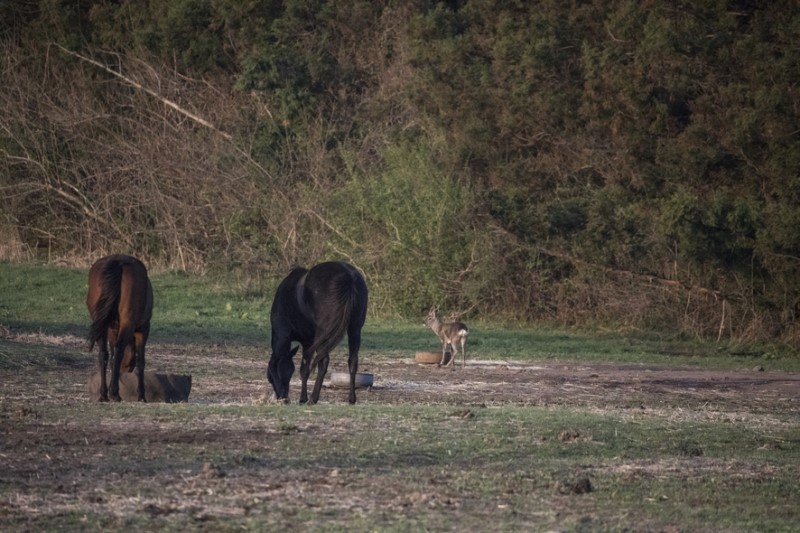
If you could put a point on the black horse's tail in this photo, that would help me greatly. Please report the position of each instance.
(107, 308)
(336, 314)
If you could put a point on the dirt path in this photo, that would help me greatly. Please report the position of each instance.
(230, 374)
(682, 393)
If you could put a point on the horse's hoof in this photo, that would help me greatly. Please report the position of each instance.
(116, 398)
(142, 399)
(102, 399)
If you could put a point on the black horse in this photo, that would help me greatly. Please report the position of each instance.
(120, 303)
(316, 308)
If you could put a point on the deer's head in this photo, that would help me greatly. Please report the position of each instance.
(431, 318)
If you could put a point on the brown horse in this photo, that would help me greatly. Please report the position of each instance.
(315, 308)
(120, 303)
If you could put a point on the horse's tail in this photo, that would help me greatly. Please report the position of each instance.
(338, 311)
(107, 308)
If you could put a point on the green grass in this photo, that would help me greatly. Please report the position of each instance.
(199, 310)
(41, 298)
(38, 298)
(432, 468)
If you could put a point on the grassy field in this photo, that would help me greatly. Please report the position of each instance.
(51, 300)
(544, 430)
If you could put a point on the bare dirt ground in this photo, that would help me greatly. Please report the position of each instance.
(231, 375)
(596, 385)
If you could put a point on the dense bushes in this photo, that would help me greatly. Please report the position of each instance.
(608, 162)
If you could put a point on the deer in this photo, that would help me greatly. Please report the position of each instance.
(449, 333)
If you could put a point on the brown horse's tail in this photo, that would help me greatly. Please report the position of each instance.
(337, 314)
(107, 308)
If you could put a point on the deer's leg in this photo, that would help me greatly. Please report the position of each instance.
(464, 350)
(444, 353)
(453, 355)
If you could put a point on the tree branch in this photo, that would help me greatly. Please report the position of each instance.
(152, 93)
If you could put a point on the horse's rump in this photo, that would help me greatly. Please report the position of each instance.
(114, 281)
(340, 299)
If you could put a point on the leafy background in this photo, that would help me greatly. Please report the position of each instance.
(611, 163)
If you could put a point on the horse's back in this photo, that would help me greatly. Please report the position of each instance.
(335, 275)
(337, 283)
(332, 269)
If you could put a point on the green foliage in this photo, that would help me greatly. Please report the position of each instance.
(189, 33)
(722, 228)
(411, 222)
(618, 229)
(519, 159)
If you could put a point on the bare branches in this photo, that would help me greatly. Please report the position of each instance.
(647, 278)
(152, 93)
(88, 169)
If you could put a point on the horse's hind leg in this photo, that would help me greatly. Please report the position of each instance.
(353, 344)
(102, 360)
(123, 340)
(140, 340)
(305, 371)
(322, 368)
